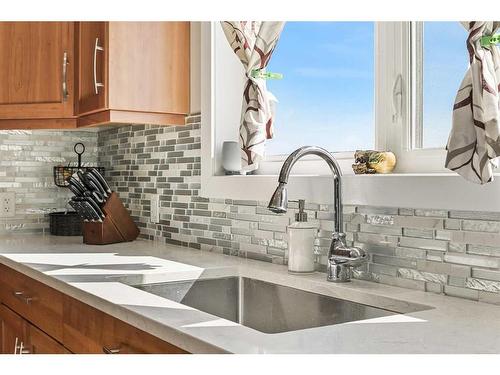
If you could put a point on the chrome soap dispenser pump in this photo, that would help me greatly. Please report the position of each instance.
(301, 235)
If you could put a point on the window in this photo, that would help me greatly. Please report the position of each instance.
(431, 59)
(338, 91)
(442, 60)
(327, 93)
(396, 119)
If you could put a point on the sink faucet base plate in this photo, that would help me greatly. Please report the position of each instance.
(339, 273)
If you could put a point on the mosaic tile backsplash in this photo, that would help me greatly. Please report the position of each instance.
(451, 252)
(26, 161)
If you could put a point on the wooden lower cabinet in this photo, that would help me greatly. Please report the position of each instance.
(33, 300)
(31, 324)
(40, 343)
(21, 337)
(88, 330)
(12, 331)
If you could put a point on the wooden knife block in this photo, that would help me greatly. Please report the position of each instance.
(116, 227)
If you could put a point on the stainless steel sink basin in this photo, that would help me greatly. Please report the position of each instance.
(263, 306)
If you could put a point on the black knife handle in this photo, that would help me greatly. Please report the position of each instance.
(90, 210)
(84, 180)
(96, 196)
(79, 209)
(74, 190)
(95, 206)
(94, 181)
(101, 179)
(77, 184)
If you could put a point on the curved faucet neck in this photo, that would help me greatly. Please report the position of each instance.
(334, 167)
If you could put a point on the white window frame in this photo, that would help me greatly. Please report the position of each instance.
(396, 39)
(420, 179)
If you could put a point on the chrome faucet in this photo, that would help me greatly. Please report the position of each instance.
(341, 258)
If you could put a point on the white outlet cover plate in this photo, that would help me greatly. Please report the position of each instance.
(8, 204)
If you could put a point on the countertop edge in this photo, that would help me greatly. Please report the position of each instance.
(162, 331)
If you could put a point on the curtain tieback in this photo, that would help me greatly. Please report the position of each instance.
(262, 74)
(490, 40)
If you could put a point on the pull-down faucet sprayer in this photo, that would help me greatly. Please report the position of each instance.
(341, 258)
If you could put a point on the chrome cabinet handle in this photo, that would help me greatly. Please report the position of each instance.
(107, 350)
(16, 347)
(97, 47)
(64, 77)
(23, 350)
(26, 299)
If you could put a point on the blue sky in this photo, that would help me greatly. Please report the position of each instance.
(326, 96)
(445, 61)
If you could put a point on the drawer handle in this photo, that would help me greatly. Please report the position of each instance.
(23, 350)
(20, 348)
(26, 299)
(107, 350)
(16, 347)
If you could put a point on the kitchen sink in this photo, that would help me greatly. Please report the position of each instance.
(264, 306)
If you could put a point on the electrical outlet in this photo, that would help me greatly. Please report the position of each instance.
(155, 208)
(7, 204)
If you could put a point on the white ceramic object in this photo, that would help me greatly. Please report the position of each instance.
(231, 156)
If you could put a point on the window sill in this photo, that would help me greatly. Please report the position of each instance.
(446, 191)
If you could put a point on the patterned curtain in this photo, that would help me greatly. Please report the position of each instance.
(254, 43)
(474, 141)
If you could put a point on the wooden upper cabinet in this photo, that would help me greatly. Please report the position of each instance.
(64, 74)
(91, 39)
(36, 70)
(133, 72)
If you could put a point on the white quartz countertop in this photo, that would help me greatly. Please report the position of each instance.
(101, 277)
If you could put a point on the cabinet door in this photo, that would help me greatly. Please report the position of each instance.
(33, 300)
(149, 65)
(86, 330)
(130, 340)
(92, 72)
(38, 342)
(12, 331)
(91, 331)
(36, 70)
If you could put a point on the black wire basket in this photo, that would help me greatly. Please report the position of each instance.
(65, 223)
(62, 173)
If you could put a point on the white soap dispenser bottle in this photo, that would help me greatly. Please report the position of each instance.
(301, 235)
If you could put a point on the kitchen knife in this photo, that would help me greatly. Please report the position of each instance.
(83, 179)
(77, 184)
(83, 210)
(76, 208)
(80, 201)
(96, 196)
(96, 189)
(74, 190)
(93, 213)
(92, 203)
(95, 206)
(79, 210)
(95, 181)
(101, 179)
